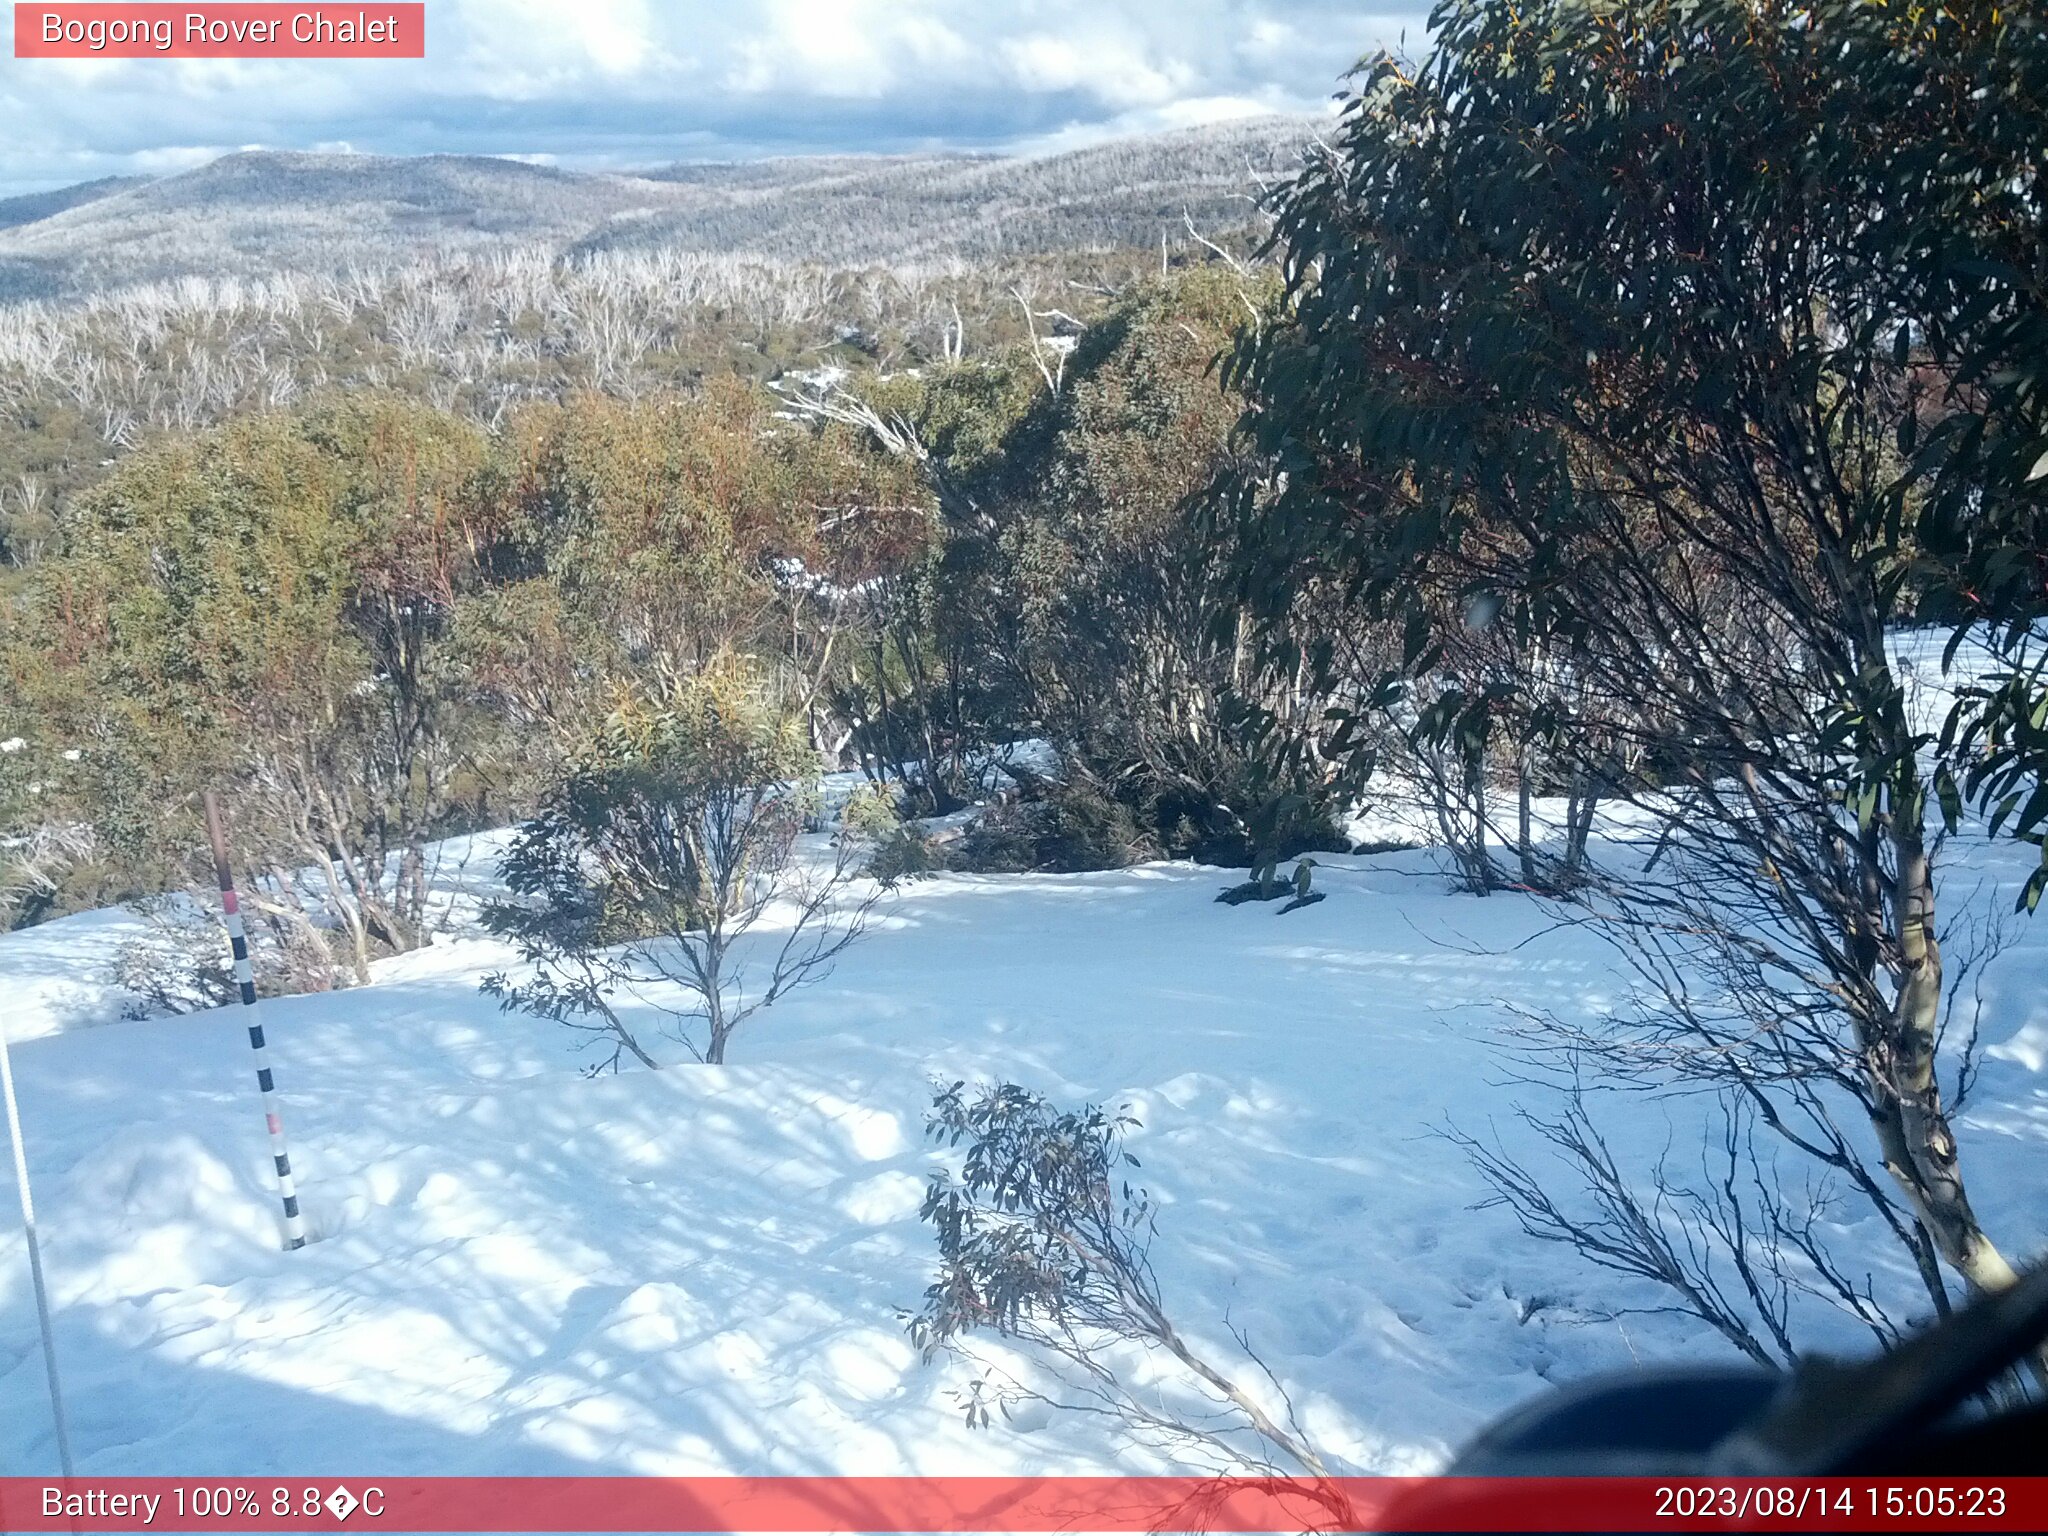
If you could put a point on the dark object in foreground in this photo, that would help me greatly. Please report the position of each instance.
(1915, 1411)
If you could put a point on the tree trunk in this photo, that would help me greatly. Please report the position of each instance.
(1484, 877)
(1524, 816)
(345, 912)
(1918, 1144)
(1585, 801)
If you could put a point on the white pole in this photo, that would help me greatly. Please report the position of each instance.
(35, 1257)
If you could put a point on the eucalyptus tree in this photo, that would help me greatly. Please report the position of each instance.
(1692, 347)
(266, 609)
(664, 872)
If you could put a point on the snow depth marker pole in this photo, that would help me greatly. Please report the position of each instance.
(245, 979)
(35, 1259)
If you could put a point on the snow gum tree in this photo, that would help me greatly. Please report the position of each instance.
(1685, 348)
(1071, 591)
(266, 610)
(671, 840)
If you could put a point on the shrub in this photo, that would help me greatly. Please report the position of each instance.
(905, 854)
(653, 861)
(1044, 1240)
(1073, 828)
(181, 962)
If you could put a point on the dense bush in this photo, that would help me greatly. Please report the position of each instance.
(905, 853)
(1069, 829)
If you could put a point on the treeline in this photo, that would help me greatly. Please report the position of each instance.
(373, 622)
(479, 334)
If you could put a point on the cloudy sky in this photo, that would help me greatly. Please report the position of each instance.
(637, 82)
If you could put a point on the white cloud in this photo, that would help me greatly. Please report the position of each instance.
(169, 159)
(849, 49)
(1117, 70)
(622, 82)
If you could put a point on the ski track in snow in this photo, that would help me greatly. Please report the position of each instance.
(518, 1270)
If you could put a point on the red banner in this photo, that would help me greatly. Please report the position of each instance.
(216, 31)
(1027, 1504)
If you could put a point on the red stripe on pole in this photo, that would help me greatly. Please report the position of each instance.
(1028, 1504)
(245, 972)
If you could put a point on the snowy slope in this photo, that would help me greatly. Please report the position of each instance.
(53, 975)
(520, 1270)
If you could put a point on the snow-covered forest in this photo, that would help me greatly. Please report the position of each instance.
(1084, 853)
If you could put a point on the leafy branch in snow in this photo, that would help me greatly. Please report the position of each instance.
(1044, 1241)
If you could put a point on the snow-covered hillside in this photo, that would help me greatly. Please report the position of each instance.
(520, 1270)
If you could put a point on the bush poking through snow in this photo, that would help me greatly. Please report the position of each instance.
(904, 853)
(1071, 830)
(650, 866)
(182, 963)
(898, 850)
(1044, 1240)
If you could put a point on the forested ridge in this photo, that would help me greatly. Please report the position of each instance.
(258, 213)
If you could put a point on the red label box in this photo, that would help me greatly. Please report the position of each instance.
(1021, 1506)
(232, 31)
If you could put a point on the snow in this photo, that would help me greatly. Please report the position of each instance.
(53, 974)
(1932, 687)
(520, 1270)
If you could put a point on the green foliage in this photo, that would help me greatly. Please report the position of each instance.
(870, 813)
(663, 821)
(371, 623)
(897, 851)
(1998, 732)
(1069, 829)
(267, 610)
(1645, 365)
(202, 594)
(656, 535)
(1041, 1227)
(1074, 592)
(670, 836)
(1593, 275)
(904, 853)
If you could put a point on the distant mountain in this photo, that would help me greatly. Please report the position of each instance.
(32, 206)
(267, 211)
(28, 278)
(850, 210)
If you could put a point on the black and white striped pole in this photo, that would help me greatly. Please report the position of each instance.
(245, 980)
(35, 1258)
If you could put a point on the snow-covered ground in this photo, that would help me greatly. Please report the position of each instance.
(521, 1270)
